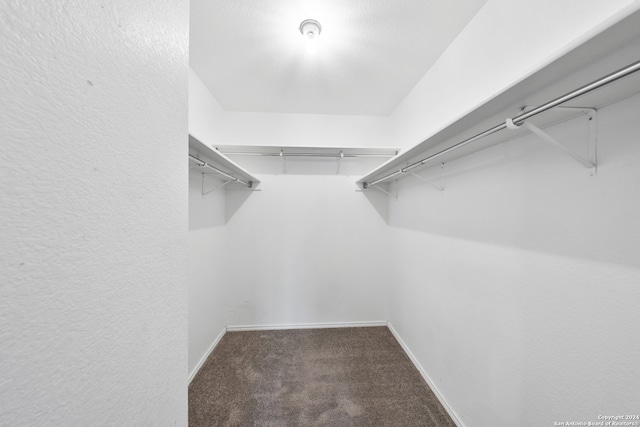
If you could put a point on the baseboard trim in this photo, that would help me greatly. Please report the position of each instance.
(426, 377)
(305, 326)
(204, 358)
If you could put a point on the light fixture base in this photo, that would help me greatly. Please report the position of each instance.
(310, 28)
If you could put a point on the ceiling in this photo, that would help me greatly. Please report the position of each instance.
(370, 54)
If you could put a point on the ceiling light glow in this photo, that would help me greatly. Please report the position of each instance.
(310, 30)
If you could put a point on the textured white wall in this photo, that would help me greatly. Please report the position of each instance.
(506, 41)
(93, 178)
(517, 288)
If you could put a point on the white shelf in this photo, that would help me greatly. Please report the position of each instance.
(218, 160)
(305, 151)
(606, 52)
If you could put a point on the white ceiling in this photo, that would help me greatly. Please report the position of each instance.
(371, 53)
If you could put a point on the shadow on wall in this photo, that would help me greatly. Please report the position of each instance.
(213, 201)
(235, 198)
(380, 202)
(213, 204)
(206, 200)
(527, 194)
(356, 167)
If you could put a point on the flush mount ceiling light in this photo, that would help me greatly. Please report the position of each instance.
(310, 29)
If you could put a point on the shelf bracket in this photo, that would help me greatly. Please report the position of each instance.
(204, 193)
(339, 162)
(548, 138)
(250, 190)
(375, 187)
(383, 190)
(439, 188)
(592, 143)
(284, 162)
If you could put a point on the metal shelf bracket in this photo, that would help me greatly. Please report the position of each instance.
(437, 187)
(375, 187)
(284, 162)
(587, 163)
(384, 191)
(204, 193)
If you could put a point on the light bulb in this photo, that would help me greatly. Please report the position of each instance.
(310, 29)
(312, 44)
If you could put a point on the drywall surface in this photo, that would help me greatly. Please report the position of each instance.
(93, 173)
(318, 130)
(206, 116)
(208, 290)
(307, 249)
(516, 288)
(370, 53)
(506, 41)
(212, 125)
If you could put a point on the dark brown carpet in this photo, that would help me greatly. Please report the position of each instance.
(312, 377)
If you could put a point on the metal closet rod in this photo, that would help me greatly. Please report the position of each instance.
(221, 172)
(283, 154)
(610, 78)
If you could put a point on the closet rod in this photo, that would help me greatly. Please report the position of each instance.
(332, 155)
(223, 173)
(610, 78)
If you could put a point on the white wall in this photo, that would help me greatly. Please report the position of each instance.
(505, 286)
(516, 288)
(212, 125)
(318, 130)
(512, 288)
(330, 267)
(93, 307)
(505, 42)
(206, 116)
(208, 255)
(307, 249)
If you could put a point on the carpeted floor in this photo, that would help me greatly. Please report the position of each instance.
(312, 377)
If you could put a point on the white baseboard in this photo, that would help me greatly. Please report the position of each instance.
(196, 369)
(305, 326)
(426, 377)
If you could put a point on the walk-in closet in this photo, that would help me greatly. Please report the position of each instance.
(320, 213)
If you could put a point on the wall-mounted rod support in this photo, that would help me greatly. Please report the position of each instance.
(551, 140)
(284, 154)
(284, 162)
(202, 163)
(610, 78)
(217, 187)
(381, 189)
(426, 182)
